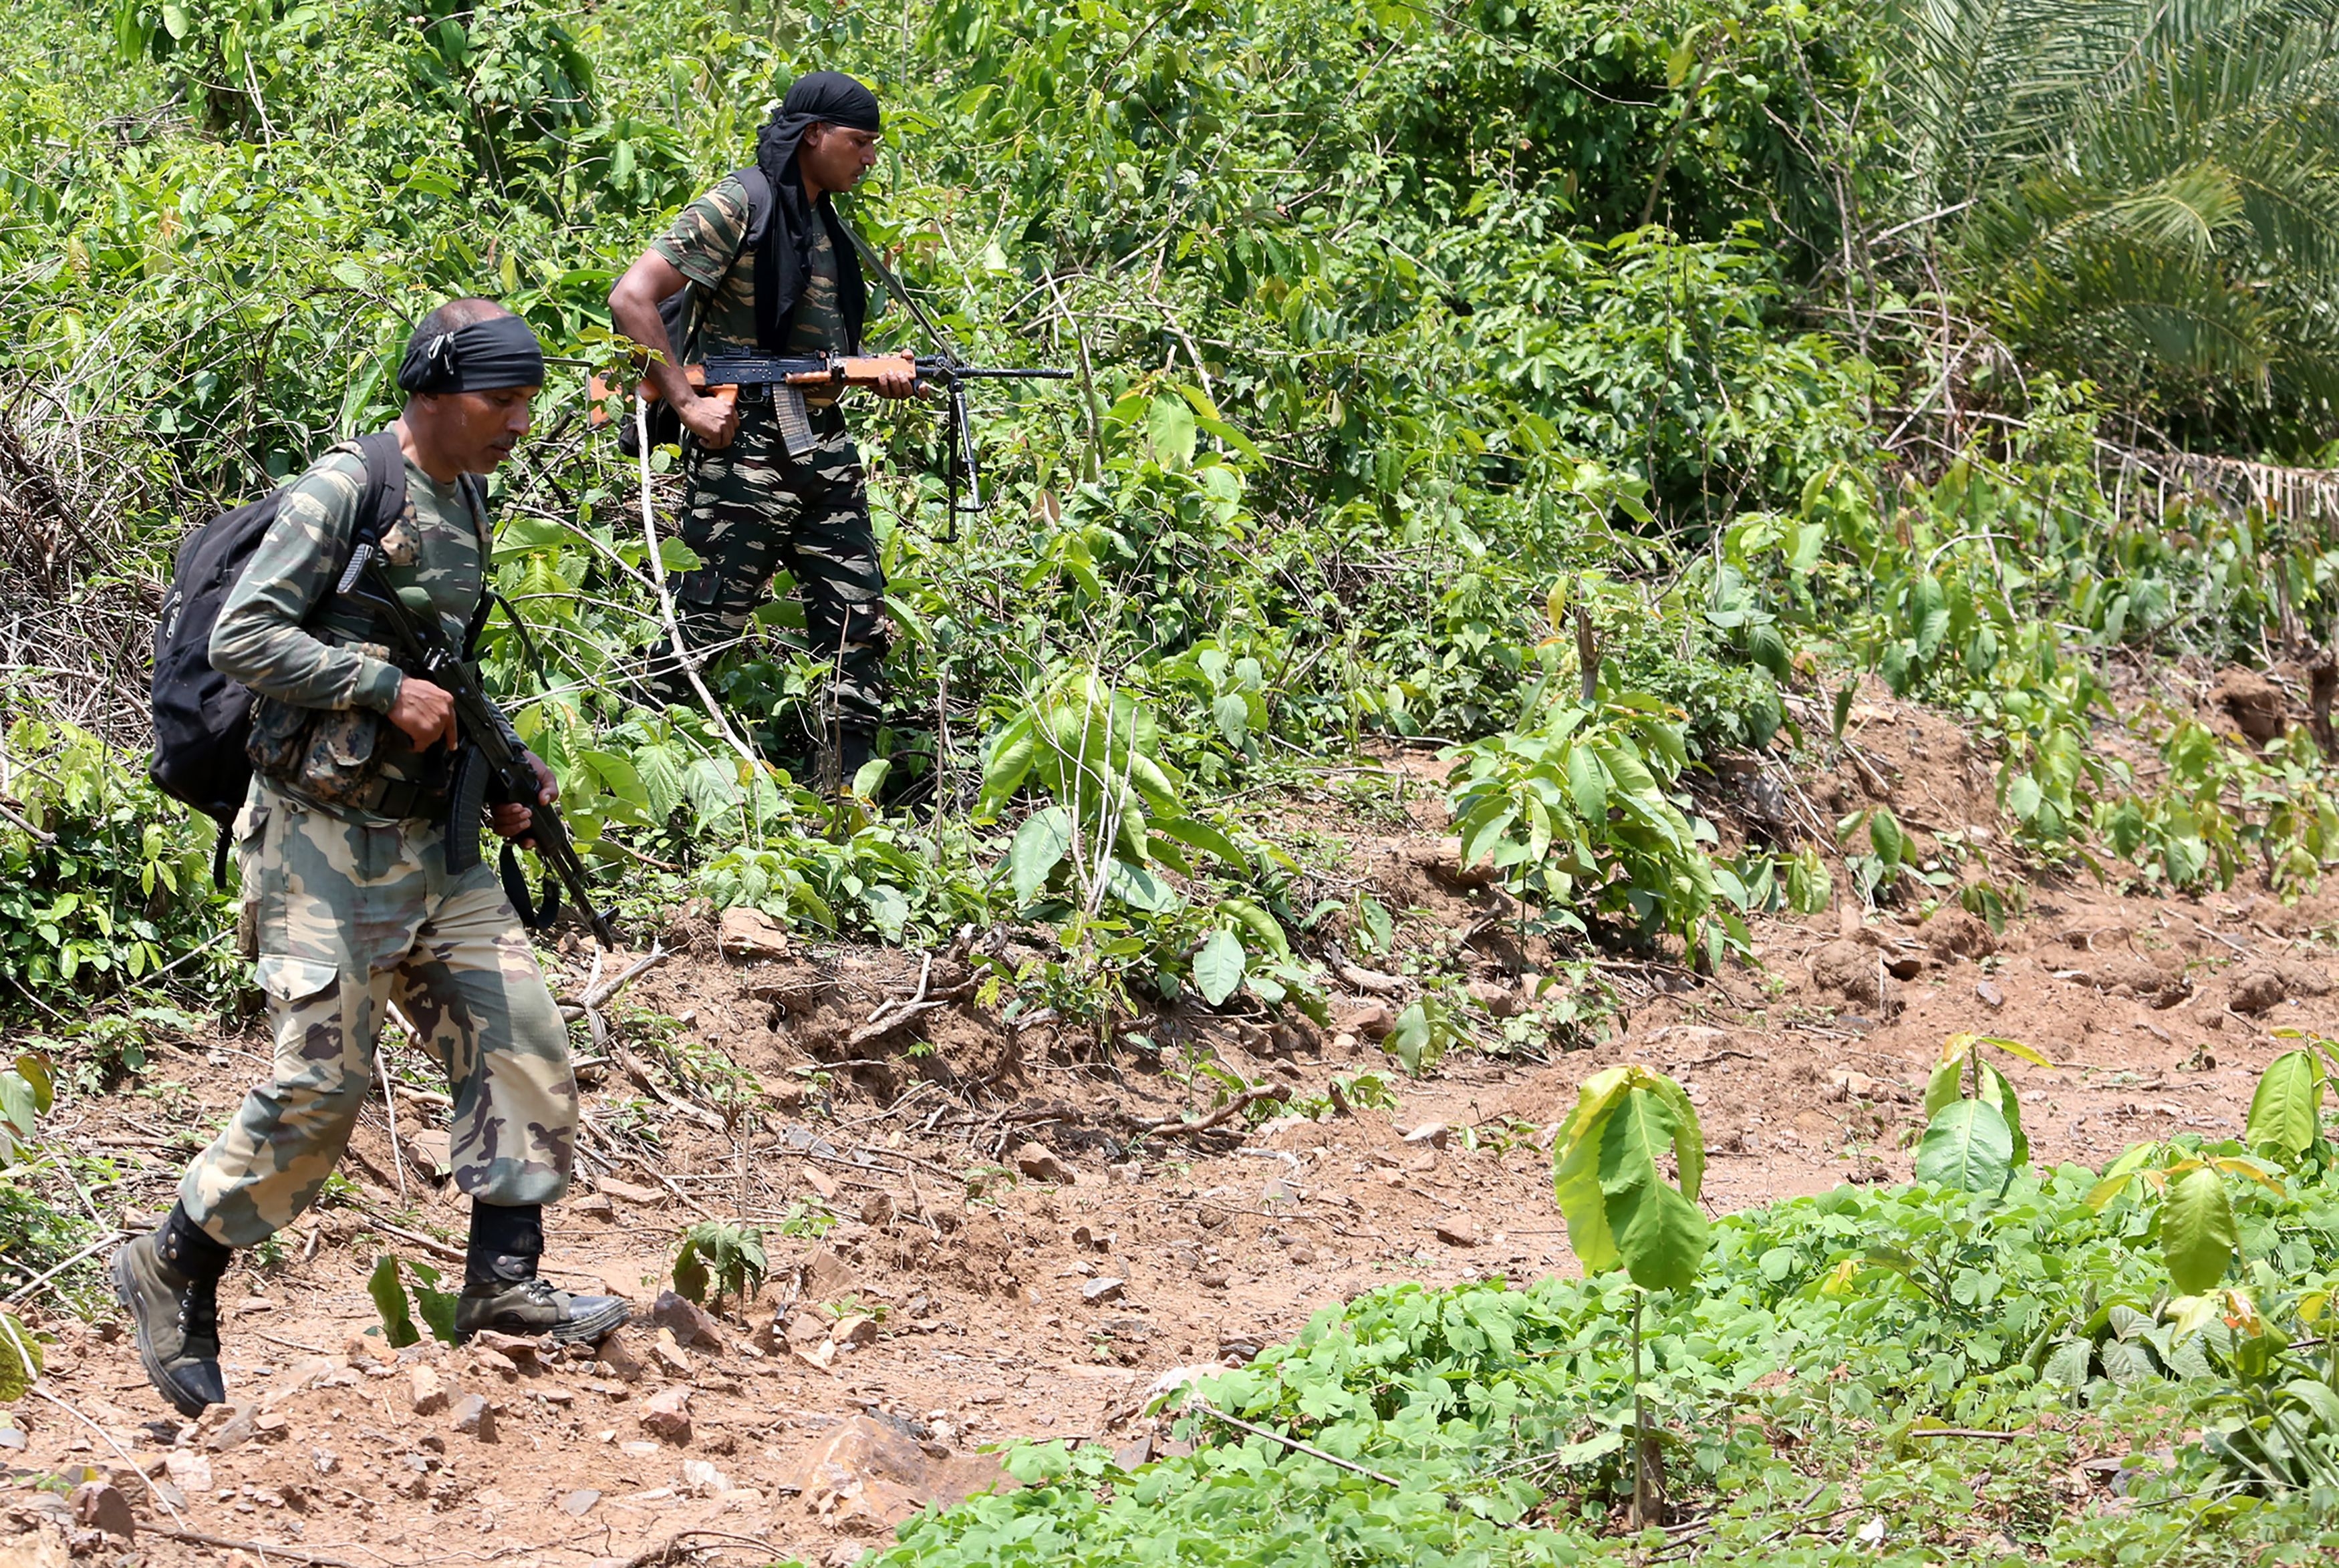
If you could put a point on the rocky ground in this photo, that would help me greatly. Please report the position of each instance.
(981, 1231)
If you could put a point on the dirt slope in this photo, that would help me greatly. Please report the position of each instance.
(1013, 1256)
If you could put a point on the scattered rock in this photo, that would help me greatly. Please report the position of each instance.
(1903, 965)
(857, 1329)
(666, 1415)
(877, 1209)
(647, 1196)
(1432, 1133)
(701, 1479)
(99, 1506)
(188, 1470)
(1852, 970)
(1455, 1232)
(820, 1181)
(2253, 990)
(2124, 971)
(1088, 1239)
(670, 1357)
(226, 1426)
(594, 1206)
(425, 1395)
(1499, 1000)
(1097, 1292)
(748, 934)
(868, 1478)
(517, 1349)
(1371, 1021)
(618, 1360)
(1954, 933)
(580, 1503)
(2254, 703)
(1844, 1084)
(690, 1323)
(433, 1154)
(1991, 996)
(475, 1417)
(494, 1362)
(2300, 978)
(1040, 1163)
(824, 1277)
(804, 1330)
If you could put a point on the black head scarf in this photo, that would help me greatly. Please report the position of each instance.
(818, 98)
(500, 351)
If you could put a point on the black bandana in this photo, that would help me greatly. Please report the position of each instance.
(500, 351)
(818, 98)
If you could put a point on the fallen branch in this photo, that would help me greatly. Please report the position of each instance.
(1369, 980)
(263, 1550)
(22, 1291)
(429, 1243)
(1173, 1126)
(1309, 1449)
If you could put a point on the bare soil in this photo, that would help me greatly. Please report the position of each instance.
(974, 1290)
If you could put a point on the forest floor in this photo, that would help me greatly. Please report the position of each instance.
(1013, 1256)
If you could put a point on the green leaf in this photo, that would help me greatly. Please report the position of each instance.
(436, 1306)
(1041, 844)
(1219, 966)
(1138, 888)
(2000, 1094)
(1004, 770)
(389, 1292)
(1201, 835)
(1885, 836)
(2286, 1111)
(1660, 1234)
(2198, 1234)
(20, 1359)
(1410, 1037)
(175, 20)
(1169, 422)
(1944, 1088)
(676, 557)
(1233, 717)
(1968, 1146)
(690, 1274)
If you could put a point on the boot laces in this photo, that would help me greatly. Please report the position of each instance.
(198, 1310)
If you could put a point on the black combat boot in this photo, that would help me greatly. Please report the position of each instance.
(502, 1290)
(169, 1283)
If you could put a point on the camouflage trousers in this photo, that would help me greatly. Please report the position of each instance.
(347, 919)
(752, 510)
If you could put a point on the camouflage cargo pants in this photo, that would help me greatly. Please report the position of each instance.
(346, 920)
(752, 510)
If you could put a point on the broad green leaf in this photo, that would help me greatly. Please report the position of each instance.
(1998, 1092)
(1201, 835)
(1659, 1233)
(1232, 716)
(2286, 1111)
(1410, 1037)
(1943, 1088)
(389, 1292)
(20, 1359)
(676, 557)
(1886, 838)
(1968, 1146)
(1169, 422)
(1219, 966)
(1138, 888)
(1041, 842)
(2198, 1234)
(1003, 772)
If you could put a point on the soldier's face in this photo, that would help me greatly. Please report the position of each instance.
(479, 429)
(836, 156)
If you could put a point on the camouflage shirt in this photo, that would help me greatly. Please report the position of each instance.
(284, 633)
(707, 246)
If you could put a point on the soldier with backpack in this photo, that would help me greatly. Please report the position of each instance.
(348, 904)
(763, 264)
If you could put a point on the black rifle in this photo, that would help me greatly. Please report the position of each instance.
(812, 370)
(486, 760)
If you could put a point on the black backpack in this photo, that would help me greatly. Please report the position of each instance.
(202, 718)
(666, 427)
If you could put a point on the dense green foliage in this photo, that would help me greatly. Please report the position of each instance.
(1409, 343)
(1818, 1382)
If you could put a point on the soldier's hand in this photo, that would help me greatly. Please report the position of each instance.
(900, 383)
(424, 712)
(714, 421)
(513, 818)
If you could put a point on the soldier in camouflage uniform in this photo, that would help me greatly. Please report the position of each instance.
(348, 907)
(774, 480)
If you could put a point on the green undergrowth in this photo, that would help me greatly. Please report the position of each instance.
(1796, 1387)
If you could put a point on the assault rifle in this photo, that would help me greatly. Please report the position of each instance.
(486, 759)
(812, 371)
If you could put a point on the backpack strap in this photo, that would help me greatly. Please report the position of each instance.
(384, 501)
